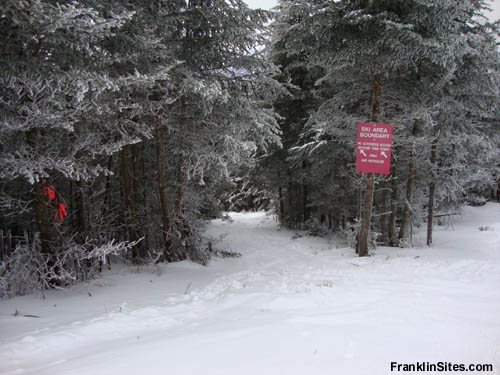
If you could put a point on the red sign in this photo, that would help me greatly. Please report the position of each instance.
(373, 151)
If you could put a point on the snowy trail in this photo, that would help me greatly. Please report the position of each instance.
(287, 305)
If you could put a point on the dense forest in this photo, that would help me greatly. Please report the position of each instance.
(127, 124)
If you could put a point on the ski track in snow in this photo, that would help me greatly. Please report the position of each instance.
(287, 305)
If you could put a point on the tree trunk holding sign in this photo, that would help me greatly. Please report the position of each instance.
(367, 216)
(383, 218)
(370, 179)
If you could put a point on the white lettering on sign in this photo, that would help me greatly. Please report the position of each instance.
(374, 135)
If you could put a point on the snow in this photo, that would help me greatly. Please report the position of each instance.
(292, 304)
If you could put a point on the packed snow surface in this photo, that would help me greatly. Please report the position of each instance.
(292, 304)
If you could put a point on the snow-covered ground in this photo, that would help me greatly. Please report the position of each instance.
(288, 306)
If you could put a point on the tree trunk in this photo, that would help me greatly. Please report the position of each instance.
(178, 214)
(394, 205)
(280, 196)
(127, 184)
(186, 232)
(83, 222)
(409, 191)
(128, 197)
(367, 214)
(370, 178)
(432, 192)
(168, 253)
(107, 194)
(359, 214)
(138, 201)
(494, 191)
(290, 210)
(305, 210)
(137, 167)
(180, 182)
(42, 218)
(41, 202)
(383, 219)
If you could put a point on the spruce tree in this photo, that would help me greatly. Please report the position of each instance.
(407, 53)
(220, 89)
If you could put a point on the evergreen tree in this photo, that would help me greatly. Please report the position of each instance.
(88, 121)
(286, 169)
(390, 61)
(52, 84)
(220, 89)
